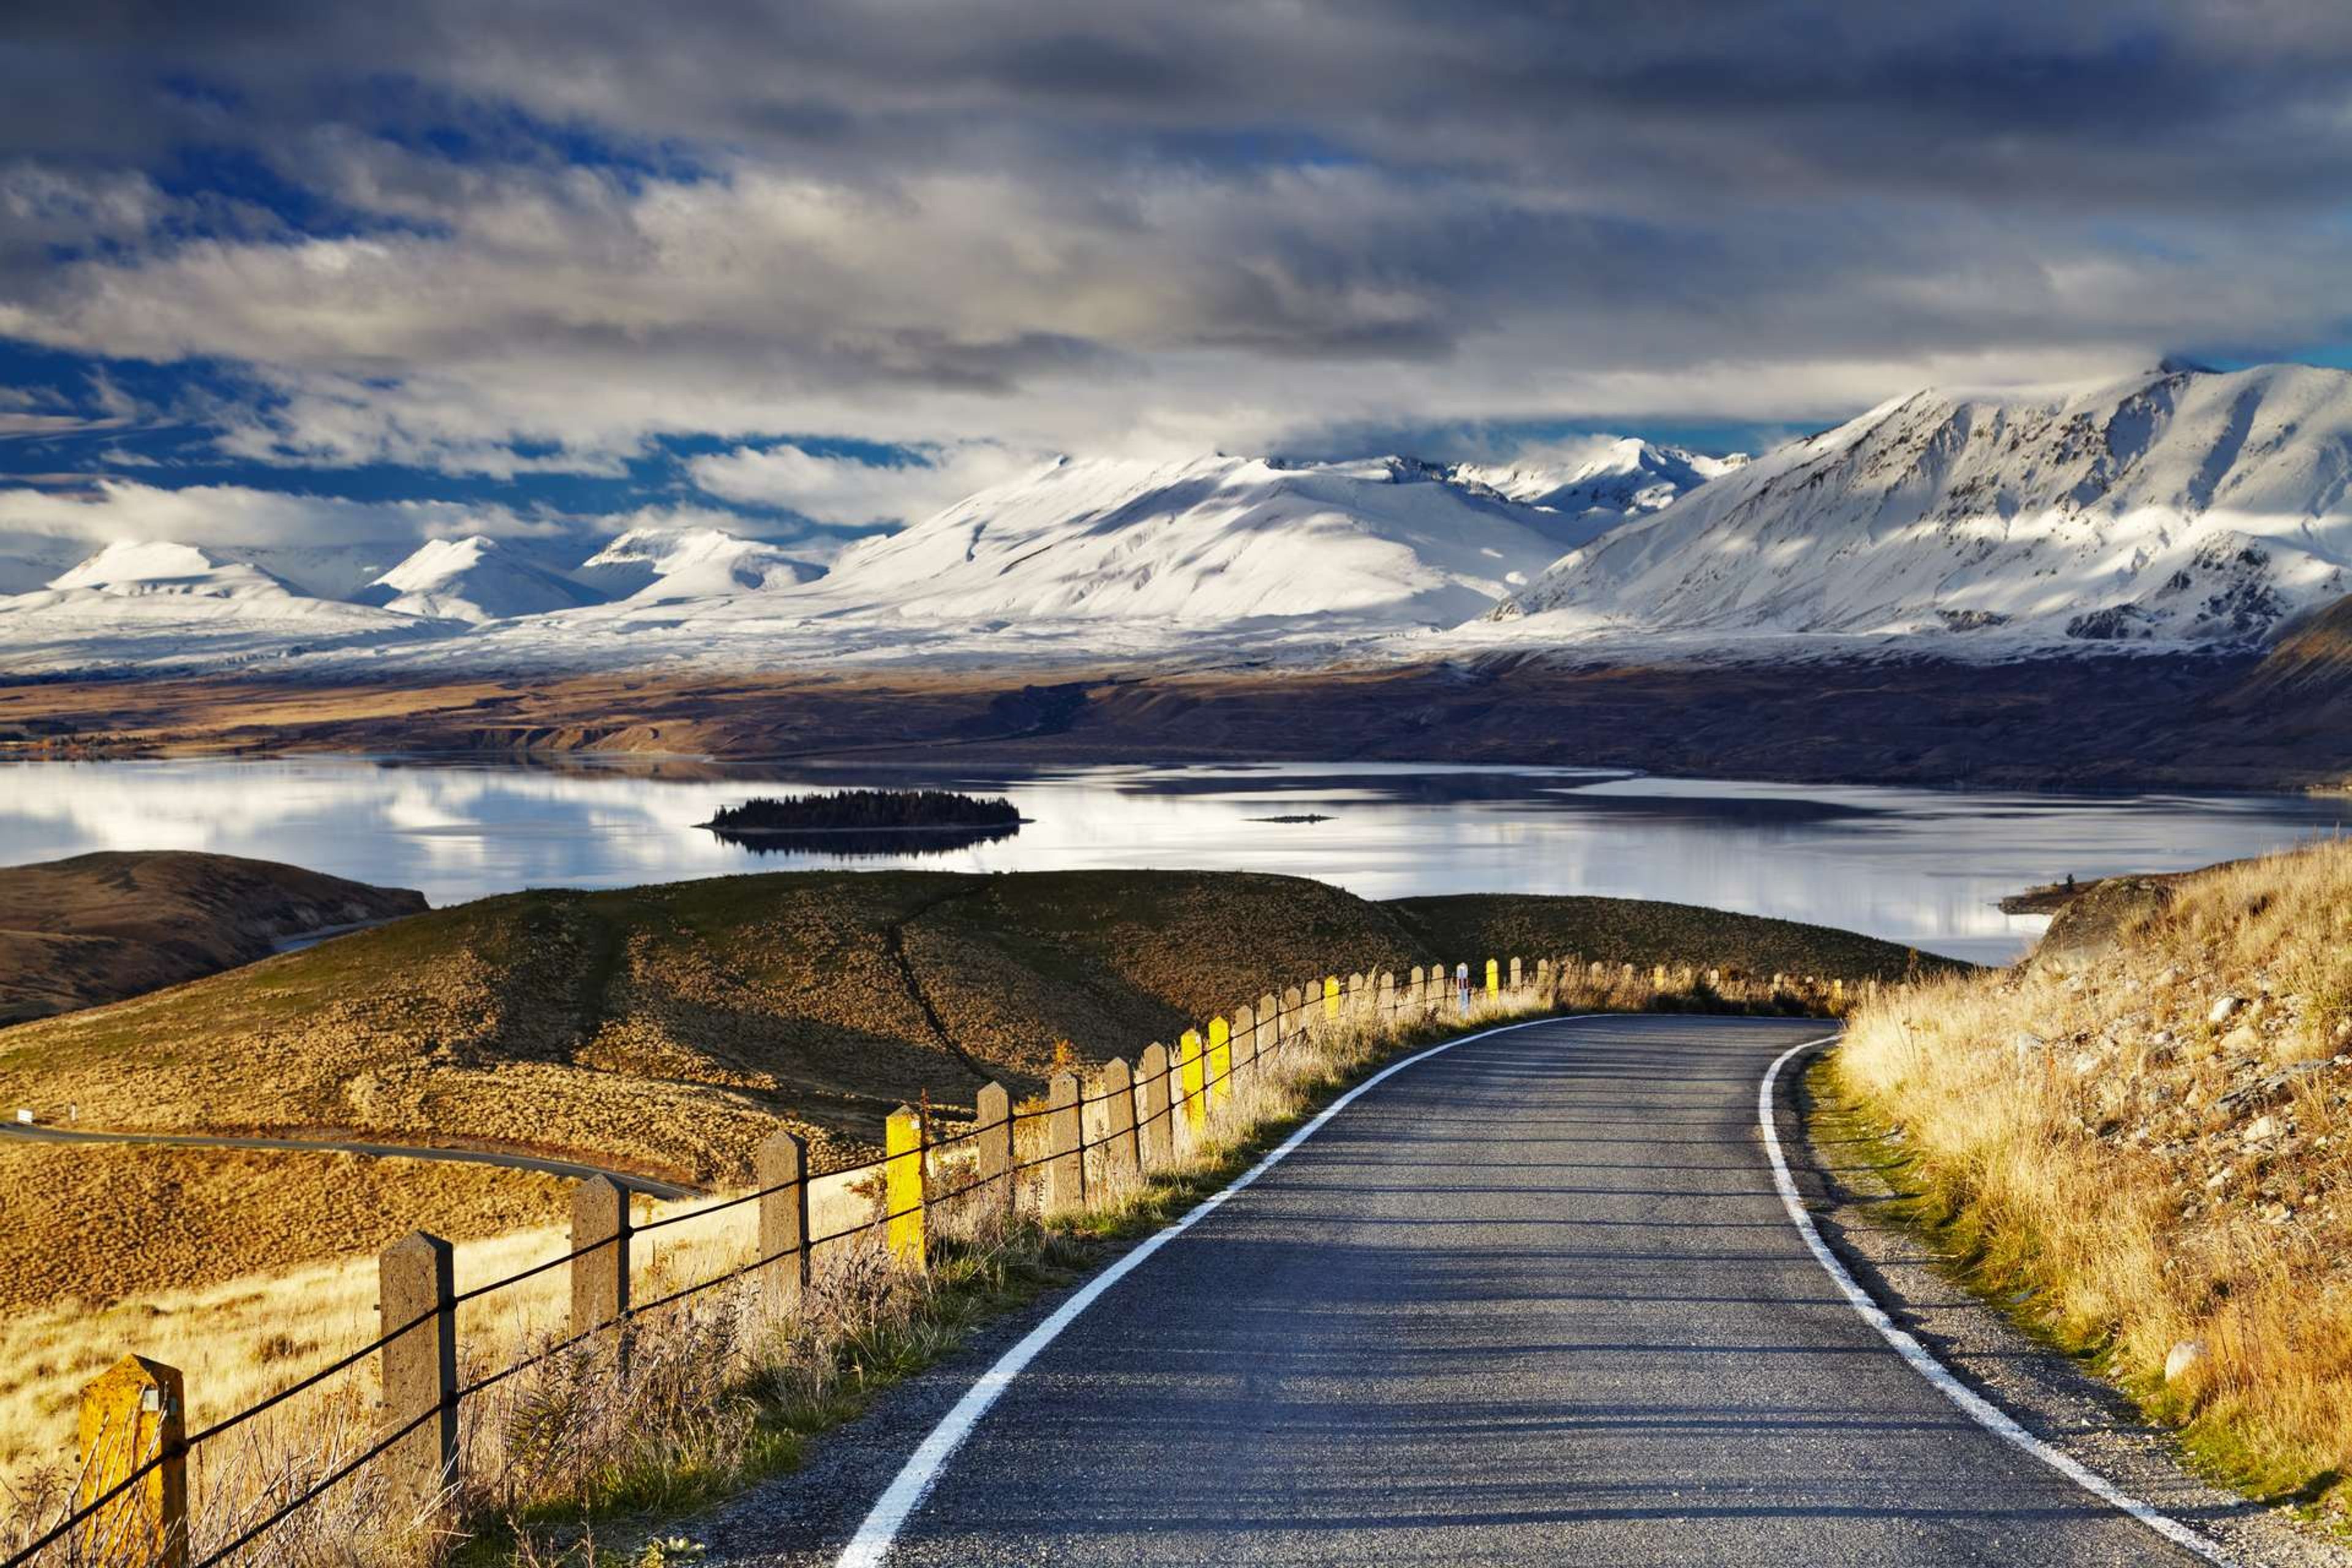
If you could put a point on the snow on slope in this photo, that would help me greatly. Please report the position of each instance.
(1214, 542)
(156, 604)
(2177, 507)
(1606, 481)
(473, 579)
(662, 564)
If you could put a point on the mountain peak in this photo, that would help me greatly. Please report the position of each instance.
(2187, 508)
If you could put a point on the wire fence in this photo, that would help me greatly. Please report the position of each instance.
(1202, 1070)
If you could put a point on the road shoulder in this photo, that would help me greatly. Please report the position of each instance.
(1845, 1181)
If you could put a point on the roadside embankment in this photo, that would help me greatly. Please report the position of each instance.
(2139, 1137)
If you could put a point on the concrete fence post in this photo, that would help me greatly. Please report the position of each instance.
(1351, 999)
(600, 1274)
(1330, 998)
(1420, 984)
(132, 1413)
(416, 1284)
(1543, 978)
(1220, 1069)
(1191, 1103)
(1269, 1022)
(992, 1137)
(1493, 979)
(1155, 1135)
(1518, 982)
(904, 1200)
(1065, 1159)
(1244, 1040)
(780, 1167)
(1290, 1017)
(1122, 1162)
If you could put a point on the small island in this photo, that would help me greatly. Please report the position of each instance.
(1302, 817)
(866, 822)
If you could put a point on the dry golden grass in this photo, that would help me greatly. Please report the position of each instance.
(714, 1386)
(2158, 1178)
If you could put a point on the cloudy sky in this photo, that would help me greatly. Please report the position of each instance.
(335, 270)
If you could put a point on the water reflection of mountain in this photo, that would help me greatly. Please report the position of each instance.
(863, 843)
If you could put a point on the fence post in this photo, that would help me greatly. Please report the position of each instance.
(1121, 1162)
(992, 1136)
(902, 1185)
(1269, 1025)
(1156, 1139)
(1515, 976)
(1244, 1040)
(1189, 1083)
(1220, 1073)
(1420, 984)
(1493, 980)
(600, 1278)
(416, 1278)
(133, 1412)
(1384, 1000)
(1065, 1162)
(1290, 1018)
(1543, 979)
(1330, 997)
(779, 1168)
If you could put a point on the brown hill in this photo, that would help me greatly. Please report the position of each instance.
(670, 1028)
(96, 928)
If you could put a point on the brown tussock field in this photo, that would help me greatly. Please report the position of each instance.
(2151, 1138)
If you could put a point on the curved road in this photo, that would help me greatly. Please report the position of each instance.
(1534, 1301)
(665, 1191)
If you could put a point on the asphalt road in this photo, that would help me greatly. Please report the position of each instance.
(666, 1191)
(1531, 1301)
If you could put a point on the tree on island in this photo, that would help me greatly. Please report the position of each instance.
(866, 810)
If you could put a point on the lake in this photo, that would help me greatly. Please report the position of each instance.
(1918, 867)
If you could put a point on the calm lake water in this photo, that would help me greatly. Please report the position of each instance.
(1919, 867)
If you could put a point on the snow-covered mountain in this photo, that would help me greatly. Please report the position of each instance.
(473, 579)
(661, 563)
(1603, 483)
(2179, 506)
(155, 604)
(1220, 541)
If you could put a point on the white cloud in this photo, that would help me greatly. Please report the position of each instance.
(236, 515)
(848, 493)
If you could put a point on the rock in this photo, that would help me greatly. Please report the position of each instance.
(2224, 1009)
(2261, 1127)
(2184, 1358)
(2023, 1044)
(2086, 1063)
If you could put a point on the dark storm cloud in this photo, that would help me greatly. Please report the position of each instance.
(434, 229)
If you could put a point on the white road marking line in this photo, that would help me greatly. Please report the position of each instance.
(872, 1543)
(1978, 1409)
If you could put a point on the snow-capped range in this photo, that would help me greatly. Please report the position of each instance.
(474, 579)
(1381, 544)
(1608, 481)
(149, 604)
(659, 564)
(2174, 509)
(2178, 507)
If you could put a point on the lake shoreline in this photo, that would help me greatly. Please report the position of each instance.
(2203, 721)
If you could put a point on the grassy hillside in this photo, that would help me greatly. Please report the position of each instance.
(668, 1028)
(99, 927)
(2148, 1134)
(1642, 932)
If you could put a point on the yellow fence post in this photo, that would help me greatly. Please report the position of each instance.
(130, 1414)
(1220, 1061)
(1494, 978)
(1331, 996)
(1188, 1081)
(902, 1185)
